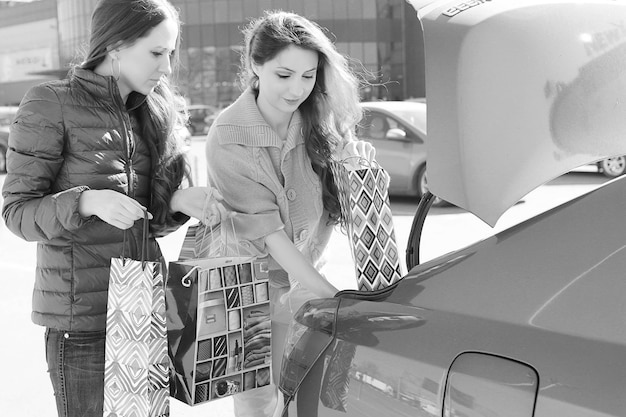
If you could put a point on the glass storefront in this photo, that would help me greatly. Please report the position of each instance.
(382, 39)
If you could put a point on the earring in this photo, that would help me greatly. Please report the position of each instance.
(119, 68)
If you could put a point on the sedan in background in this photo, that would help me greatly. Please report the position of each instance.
(201, 116)
(612, 167)
(397, 129)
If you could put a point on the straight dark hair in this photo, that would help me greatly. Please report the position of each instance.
(161, 114)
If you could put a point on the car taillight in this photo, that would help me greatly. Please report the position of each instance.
(311, 332)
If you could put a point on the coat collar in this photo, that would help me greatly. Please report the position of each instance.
(244, 115)
(102, 88)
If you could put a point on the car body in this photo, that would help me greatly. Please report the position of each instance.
(201, 117)
(397, 130)
(526, 323)
(7, 114)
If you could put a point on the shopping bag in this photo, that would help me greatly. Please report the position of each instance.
(366, 211)
(136, 375)
(219, 329)
(199, 242)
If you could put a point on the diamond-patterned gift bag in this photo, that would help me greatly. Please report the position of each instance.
(366, 211)
(136, 374)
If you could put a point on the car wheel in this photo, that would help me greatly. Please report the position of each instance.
(3, 160)
(422, 187)
(613, 167)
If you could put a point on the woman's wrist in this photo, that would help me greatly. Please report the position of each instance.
(175, 202)
(84, 204)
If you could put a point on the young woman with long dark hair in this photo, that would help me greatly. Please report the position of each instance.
(88, 156)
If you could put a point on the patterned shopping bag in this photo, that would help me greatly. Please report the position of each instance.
(219, 329)
(200, 242)
(136, 376)
(364, 199)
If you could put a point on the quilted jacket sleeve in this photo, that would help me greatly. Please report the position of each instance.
(31, 209)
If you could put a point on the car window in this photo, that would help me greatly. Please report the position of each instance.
(373, 126)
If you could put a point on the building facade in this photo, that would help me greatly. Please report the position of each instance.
(28, 47)
(382, 38)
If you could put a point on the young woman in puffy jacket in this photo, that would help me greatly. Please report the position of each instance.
(88, 154)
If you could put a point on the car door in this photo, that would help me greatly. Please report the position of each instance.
(401, 155)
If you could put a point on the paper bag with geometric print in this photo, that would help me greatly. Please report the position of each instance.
(136, 375)
(364, 199)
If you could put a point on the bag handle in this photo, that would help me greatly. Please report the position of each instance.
(211, 230)
(145, 235)
(361, 161)
(186, 279)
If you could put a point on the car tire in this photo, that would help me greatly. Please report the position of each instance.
(613, 167)
(422, 186)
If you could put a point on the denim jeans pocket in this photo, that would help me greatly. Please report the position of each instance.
(76, 366)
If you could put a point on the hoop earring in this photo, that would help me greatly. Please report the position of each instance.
(119, 69)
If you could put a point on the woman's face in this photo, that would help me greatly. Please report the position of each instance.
(143, 63)
(286, 81)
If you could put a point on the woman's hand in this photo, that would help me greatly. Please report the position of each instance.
(358, 153)
(112, 207)
(203, 203)
(296, 265)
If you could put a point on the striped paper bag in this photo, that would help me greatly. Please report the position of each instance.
(136, 375)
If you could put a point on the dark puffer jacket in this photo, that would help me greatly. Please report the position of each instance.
(69, 136)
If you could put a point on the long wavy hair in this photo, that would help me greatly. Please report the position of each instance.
(161, 114)
(331, 111)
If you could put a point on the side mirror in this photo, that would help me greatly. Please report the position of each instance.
(396, 134)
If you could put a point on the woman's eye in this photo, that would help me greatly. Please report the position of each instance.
(309, 77)
(282, 76)
(157, 54)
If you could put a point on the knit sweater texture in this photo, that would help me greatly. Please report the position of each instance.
(268, 181)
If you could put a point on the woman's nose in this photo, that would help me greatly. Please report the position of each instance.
(166, 66)
(296, 89)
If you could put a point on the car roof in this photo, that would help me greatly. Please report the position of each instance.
(395, 106)
(8, 110)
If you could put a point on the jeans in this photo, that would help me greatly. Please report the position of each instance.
(76, 367)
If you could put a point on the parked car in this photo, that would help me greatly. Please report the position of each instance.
(529, 322)
(612, 167)
(201, 117)
(397, 129)
(7, 114)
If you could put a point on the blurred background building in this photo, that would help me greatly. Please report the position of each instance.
(41, 39)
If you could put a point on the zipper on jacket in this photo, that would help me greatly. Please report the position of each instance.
(128, 140)
(129, 148)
